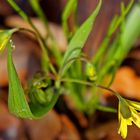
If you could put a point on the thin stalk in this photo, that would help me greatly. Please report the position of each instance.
(44, 54)
(116, 58)
(91, 84)
(27, 30)
(70, 8)
(39, 12)
(82, 58)
(27, 19)
(101, 50)
(115, 23)
(106, 68)
(24, 16)
(108, 89)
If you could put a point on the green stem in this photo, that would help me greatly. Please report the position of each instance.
(70, 7)
(91, 84)
(24, 16)
(101, 50)
(61, 71)
(115, 23)
(38, 10)
(27, 19)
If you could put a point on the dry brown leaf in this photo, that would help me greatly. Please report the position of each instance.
(56, 30)
(127, 83)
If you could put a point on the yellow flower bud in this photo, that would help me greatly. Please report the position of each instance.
(91, 72)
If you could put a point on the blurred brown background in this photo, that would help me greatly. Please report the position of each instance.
(58, 125)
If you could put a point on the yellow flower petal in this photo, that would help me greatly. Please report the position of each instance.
(3, 44)
(128, 114)
(123, 128)
(136, 117)
(129, 121)
(134, 104)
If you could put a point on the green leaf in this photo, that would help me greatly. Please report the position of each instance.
(70, 7)
(115, 23)
(39, 12)
(18, 9)
(77, 42)
(5, 35)
(17, 101)
(123, 42)
(132, 29)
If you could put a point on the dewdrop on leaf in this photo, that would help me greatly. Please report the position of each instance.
(5, 36)
(12, 44)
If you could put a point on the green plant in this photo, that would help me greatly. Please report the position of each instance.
(76, 72)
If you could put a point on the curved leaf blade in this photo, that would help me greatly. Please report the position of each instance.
(5, 35)
(77, 42)
(17, 102)
(70, 7)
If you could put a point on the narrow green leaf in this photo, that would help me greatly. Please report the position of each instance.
(132, 28)
(115, 23)
(35, 4)
(131, 31)
(77, 42)
(17, 102)
(70, 7)
(38, 10)
(18, 9)
(5, 35)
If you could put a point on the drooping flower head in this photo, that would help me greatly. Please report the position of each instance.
(128, 113)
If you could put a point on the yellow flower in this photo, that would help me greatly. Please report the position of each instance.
(127, 113)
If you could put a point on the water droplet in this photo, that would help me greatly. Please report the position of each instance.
(22, 110)
(12, 44)
(13, 47)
